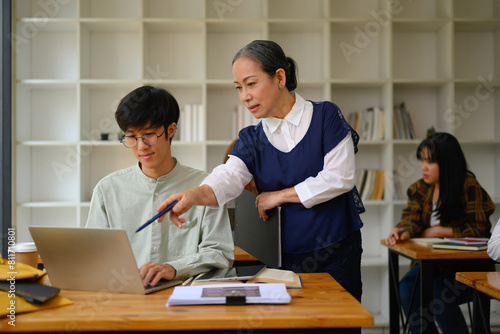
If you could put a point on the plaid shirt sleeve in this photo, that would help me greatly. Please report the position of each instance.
(417, 212)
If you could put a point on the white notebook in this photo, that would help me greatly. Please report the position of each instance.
(249, 293)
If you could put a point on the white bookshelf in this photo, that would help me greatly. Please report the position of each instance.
(75, 59)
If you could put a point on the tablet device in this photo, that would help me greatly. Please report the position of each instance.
(31, 291)
(240, 273)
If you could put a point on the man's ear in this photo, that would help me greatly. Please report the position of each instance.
(171, 130)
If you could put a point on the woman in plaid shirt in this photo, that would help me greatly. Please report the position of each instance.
(447, 202)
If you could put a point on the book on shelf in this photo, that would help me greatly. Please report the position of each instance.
(399, 192)
(378, 186)
(469, 241)
(191, 127)
(200, 128)
(360, 180)
(455, 246)
(367, 186)
(402, 123)
(395, 129)
(241, 119)
(268, 275)
(377, 127)
(369, 124)
(399, 132)
(408, 124)
(370, 184)
(354, 120)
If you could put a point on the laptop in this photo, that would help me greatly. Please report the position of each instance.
(91, 259)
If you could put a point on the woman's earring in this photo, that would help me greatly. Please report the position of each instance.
(280, 86)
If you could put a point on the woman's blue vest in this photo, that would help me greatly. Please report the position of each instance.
(303, 229)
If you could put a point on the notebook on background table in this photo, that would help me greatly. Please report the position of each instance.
(91, 259)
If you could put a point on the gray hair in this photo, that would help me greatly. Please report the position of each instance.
(271, 57)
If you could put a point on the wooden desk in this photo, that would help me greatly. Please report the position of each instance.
(486, 285)
(322, 305)
(427, 258)
(240, 255)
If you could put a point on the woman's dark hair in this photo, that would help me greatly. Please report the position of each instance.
(445, 150)
(270, 56)
(147, 106)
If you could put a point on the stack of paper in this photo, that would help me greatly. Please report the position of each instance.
(470, 241)
(470, 244)
(429, 241)
(253, 293)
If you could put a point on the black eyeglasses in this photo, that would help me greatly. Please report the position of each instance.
(148, 139)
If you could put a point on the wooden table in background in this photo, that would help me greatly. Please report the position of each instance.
(322, 306)
(486, 285)
(427, 257)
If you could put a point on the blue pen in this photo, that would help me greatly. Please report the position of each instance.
(157, 216)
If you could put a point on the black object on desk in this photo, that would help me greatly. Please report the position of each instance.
(31, 291)
(240, 273)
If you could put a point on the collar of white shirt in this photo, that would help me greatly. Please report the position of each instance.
(293, 117)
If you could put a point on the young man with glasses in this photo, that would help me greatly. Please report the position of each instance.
(129, 197)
